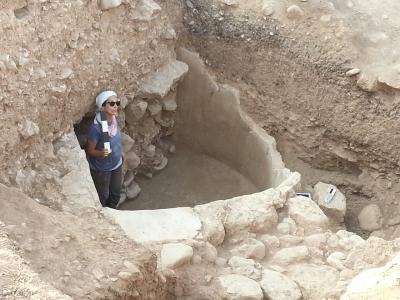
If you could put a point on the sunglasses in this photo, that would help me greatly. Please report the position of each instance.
(112, 103)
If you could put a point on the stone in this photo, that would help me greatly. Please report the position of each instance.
(251, 248)
(162, 164)
(377, 283)
(245, 267)
(370, 218)
(174, 255)
(317, 240)
(336, 260)
(109, 4)
(294, 12)
(315, 281)
(237, 287)
(135, 111)
(66, 73)
(252, 213)
(127, 142)
(146, 11)
(122, 199)
(124, 275)
(132, 160)
(336, 208)
(154, 109)
(27, 129)
(158, 225)
(169, 104)
(231, 2)
(368, 83)
(128, 178)
(289, 240)
(220, 262)
(211, 215)
(307, 214)
(349, 240)
(353, 72)
(210, 252)
(291, 255)
(277, 286)
(270, 241)
(133, 190)
(158, 84)
(268, 9)
(78, 193)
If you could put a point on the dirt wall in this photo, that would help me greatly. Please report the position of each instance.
(56, 56)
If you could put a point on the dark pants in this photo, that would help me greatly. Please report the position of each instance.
(108, 186)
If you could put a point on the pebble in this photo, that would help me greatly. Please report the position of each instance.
(353, 72)
(294, 12)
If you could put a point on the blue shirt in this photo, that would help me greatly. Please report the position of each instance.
(114, 159)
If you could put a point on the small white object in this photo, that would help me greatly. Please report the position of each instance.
(107, 146)
(104, 126)
(330, 194)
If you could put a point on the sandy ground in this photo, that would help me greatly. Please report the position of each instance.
(189, 179)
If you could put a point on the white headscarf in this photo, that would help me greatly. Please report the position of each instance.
(103, 96)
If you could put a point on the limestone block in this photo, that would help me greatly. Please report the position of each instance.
(245, 267)
(135, 111)
(108, 4)
(158, 225)
(294, 12)
(336, 260)
(237, 287)
(174, 255)
(127, 142)
(337, 207)
(27, 128)
(146, 11)
(315, 281)
(82, 192)
(291, 255)
(133, 190)
(370, 218)
(211, 216)
(251, 248)
(253, 213)
(277, 286)
(158, 84)
(132, 159)
(378, 283)
(307, 214)
(349, 240)
(270, 241)
(317, 240)
(289, 240)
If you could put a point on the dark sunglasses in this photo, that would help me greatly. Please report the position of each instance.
(112, 103)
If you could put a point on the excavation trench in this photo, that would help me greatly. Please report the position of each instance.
(220, 152)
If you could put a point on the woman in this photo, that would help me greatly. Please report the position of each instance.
(106, 165)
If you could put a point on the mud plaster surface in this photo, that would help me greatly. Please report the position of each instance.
(190, 179)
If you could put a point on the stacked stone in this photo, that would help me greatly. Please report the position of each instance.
(269, 245)
(147, 118)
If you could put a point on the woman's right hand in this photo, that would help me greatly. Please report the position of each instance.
(105, 153)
